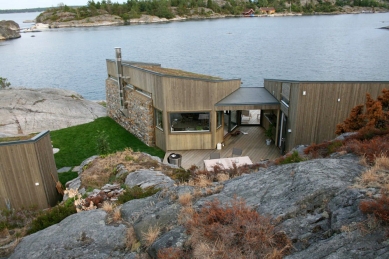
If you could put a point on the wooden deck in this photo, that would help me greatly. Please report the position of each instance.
(253, 145)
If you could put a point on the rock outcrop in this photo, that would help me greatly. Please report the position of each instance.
(312, 201)
(9, 30)
(24, 111)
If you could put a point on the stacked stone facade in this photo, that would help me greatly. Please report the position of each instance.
(137, 116)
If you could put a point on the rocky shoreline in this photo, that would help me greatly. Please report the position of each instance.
(114, 20)
(24, 111)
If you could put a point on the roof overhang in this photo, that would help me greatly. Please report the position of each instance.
(246, 98)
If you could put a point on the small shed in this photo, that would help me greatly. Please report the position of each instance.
(28, 174)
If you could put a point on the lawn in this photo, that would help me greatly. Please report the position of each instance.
(80, 142)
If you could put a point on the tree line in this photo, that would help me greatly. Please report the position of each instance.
(169, 8)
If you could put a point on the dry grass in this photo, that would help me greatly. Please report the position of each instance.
(151, 235)
(107, 207)
(200, 181)
(234, 231)
(369, 176)
(103, 169)
(376, 176)
(132, 243)
(222, 177)
(116, 215)
(185, 199)
(185, 214)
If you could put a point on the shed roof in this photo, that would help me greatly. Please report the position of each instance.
(255, 97)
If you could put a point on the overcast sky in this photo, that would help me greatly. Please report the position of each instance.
(21, 4)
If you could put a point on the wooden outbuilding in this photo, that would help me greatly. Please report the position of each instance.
(267, 10)
(28, 174)
(249, 12)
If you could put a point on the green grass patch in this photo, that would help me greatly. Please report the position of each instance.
(66, 177)
(80, 142)
(136, 193)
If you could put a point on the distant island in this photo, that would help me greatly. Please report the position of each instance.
(135, 11)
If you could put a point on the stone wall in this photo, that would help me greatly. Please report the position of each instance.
(138, 115)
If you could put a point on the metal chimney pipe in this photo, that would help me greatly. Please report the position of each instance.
(118, 52)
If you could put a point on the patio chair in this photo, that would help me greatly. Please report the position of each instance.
(236, 152)
(215, 156)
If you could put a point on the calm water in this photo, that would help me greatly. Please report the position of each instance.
(333, 47)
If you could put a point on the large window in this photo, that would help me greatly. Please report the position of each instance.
(193, 122)
(219, 119)
(158, 119)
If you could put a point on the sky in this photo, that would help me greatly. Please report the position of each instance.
(22, 4)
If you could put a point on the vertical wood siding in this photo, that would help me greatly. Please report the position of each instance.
(319, 111)
(22, 165)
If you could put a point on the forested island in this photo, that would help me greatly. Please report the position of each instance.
(169, 9)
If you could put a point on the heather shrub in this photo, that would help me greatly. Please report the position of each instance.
(370, 148)
(171, 253)
(375, 115)
(378, 207)
(323, 149)
(234, 231)
(52, 216)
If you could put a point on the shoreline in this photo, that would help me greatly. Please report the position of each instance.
(149, 19)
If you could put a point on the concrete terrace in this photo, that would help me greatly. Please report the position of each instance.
(253, 145)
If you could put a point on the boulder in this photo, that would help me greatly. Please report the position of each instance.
(148, 178)
(9, 30)
(24, 111)
(81, 235)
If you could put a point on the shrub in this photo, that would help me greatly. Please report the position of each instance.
(234, 231)
(323, 149)
(4, 83)
(52, 216)
(374, 116)
(136, 192)
(378, 207)
(370, 148)
(170, 253)
(290, 158)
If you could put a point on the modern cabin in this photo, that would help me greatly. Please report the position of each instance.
(178, 110)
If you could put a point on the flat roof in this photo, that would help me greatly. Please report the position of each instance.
(249, 96)
(320, 81)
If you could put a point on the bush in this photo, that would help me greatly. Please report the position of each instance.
(4, 83)
(323, 149)
(234, 231)
(370, 148)
(290, 158)
(136, 192)
(52, 216)
(378, 207)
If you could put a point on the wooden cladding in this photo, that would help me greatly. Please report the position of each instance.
(28, 174)
(285, 90)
